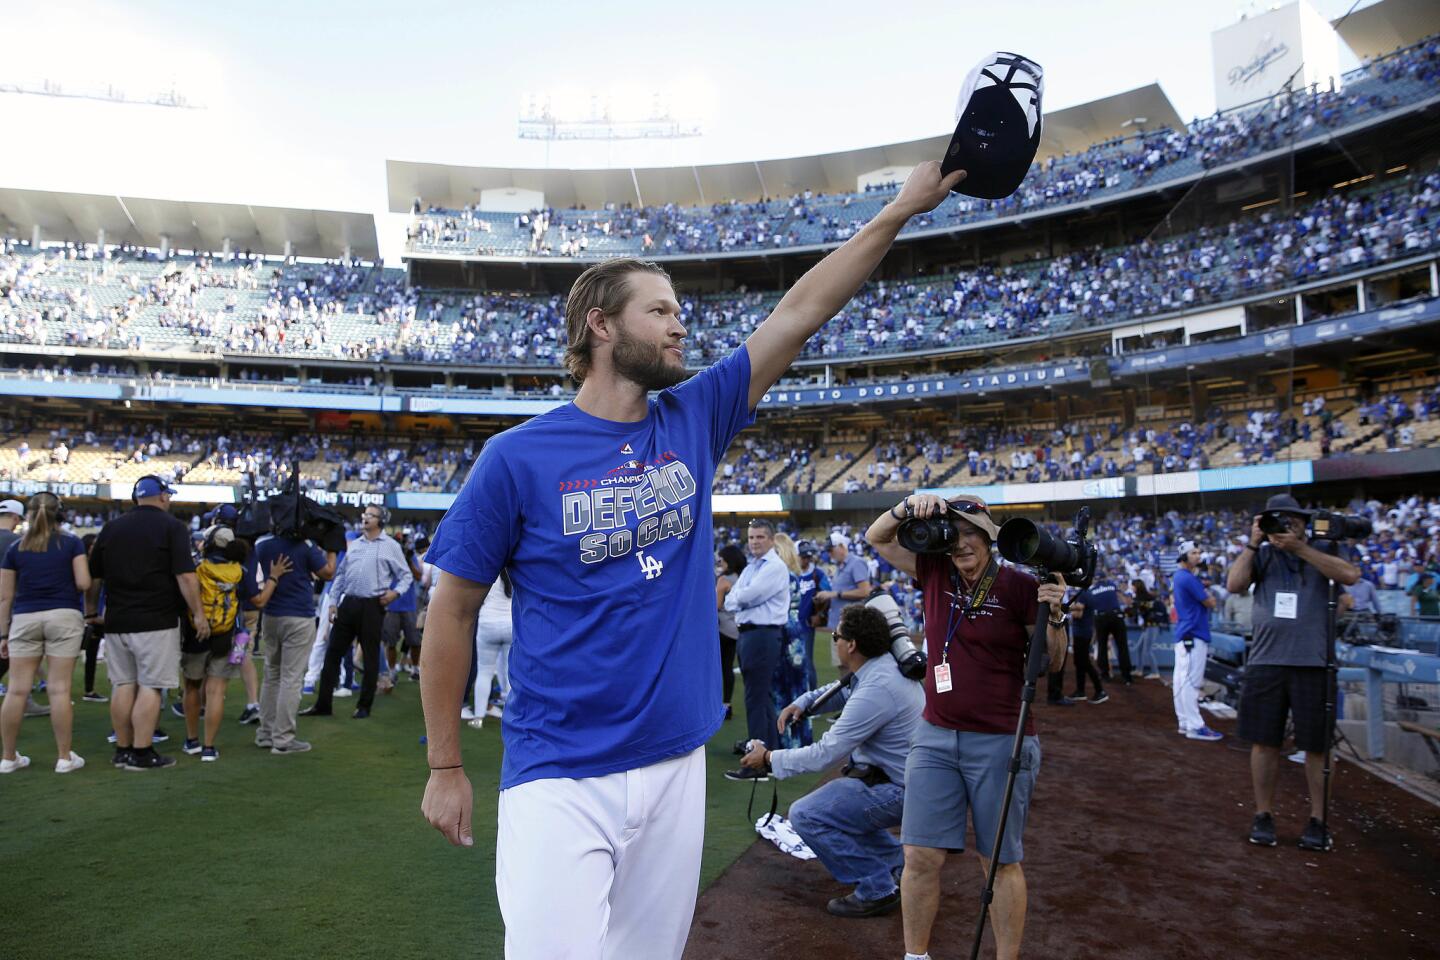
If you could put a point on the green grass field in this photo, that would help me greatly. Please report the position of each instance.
(322, 854)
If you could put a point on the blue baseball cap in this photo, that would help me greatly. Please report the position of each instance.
(225, 514)
(151, 487)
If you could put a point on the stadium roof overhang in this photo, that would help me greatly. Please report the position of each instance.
(1383, 27)
(187, 225)
(449, 185)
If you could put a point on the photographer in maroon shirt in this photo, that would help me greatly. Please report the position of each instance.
(979, 617)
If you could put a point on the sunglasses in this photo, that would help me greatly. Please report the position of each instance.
(966, 506)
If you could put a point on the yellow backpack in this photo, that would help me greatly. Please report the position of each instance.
(219, 593)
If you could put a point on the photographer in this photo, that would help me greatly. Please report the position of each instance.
(847, 821)
(1285, 668)
(979, 617)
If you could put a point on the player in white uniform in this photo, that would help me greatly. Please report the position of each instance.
(600, 512)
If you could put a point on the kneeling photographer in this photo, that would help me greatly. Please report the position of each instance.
(1285, 667)
(979, 619)
(847, 821)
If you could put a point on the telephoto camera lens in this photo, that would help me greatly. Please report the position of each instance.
(1272, 523)
(1022, 541)
(1338, 526)
(910, 660)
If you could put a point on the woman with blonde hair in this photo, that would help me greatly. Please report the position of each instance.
(790, 679)
(43, 579)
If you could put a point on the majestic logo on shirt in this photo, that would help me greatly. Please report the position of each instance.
(626, 448)
(659, 495)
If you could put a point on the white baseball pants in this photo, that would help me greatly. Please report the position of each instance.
(604, 868)
(1186, 682)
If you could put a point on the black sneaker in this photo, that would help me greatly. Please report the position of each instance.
(159, 736)
(94, 697)
(1316, 837)
(251, 714)
(178, 709)
(1100, 697)
(149, 760)
(747, 773)
(1262, 830)
(190, 747)
(1061, 702)
(209, 755)
(121, 758)
(851, 905)
(314, 711)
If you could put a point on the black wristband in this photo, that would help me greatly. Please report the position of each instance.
(455, 766)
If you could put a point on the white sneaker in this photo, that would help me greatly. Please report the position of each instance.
(466, 713)
(19, 763)
(477, 723)
(343, 692)
(70, 764)
(494, 711)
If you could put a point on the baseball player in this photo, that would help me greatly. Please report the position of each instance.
(600, 511)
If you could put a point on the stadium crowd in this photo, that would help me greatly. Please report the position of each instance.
(357, 313)
(807, 217)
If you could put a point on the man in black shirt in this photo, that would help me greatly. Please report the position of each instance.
(144, 559)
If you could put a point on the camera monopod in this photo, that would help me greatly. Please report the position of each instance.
(1021, 541)
(1332, 673)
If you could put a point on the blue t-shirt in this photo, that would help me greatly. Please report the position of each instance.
(1192, 617)
(45, 580)
(294, 594)
(605, 528)
(809, 583)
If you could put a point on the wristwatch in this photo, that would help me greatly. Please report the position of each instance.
(1060, 622)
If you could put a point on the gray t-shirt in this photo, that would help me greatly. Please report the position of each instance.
(848, 576)
(1282, 641)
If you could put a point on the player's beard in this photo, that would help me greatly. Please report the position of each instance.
(644, 363)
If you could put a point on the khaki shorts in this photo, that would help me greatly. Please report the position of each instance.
(47, 633)
(198, 666)
(150, 659)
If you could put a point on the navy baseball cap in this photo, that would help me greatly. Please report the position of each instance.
(805, 548)
(151, 487)
(997, 126)
(225, 514)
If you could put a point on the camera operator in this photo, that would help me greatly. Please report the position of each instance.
(1285, 667)
(847, 821)
(286, 635)
(374, 575)
(979, 617)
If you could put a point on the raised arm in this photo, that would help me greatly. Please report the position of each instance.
(881, 534)
(828, 286)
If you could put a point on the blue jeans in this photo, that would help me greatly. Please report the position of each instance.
(1146, 653)
(847, 824)
(759, 651)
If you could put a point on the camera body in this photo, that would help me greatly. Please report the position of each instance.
(1319, 525)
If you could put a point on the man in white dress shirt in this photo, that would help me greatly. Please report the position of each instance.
(760, 601)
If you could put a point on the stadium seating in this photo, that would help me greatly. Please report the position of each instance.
(1107, 169)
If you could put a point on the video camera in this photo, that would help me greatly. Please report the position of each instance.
(1024, 542)
(1319, 525)
(291, 514)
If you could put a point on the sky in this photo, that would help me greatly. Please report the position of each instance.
(300, 103)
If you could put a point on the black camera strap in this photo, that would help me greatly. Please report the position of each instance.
(969, 609)
(774, 801)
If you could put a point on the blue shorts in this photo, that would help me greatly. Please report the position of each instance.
(952, 771)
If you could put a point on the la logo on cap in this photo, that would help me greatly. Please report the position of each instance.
(626, 449)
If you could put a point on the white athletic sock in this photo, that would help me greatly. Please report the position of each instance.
(917, 956)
